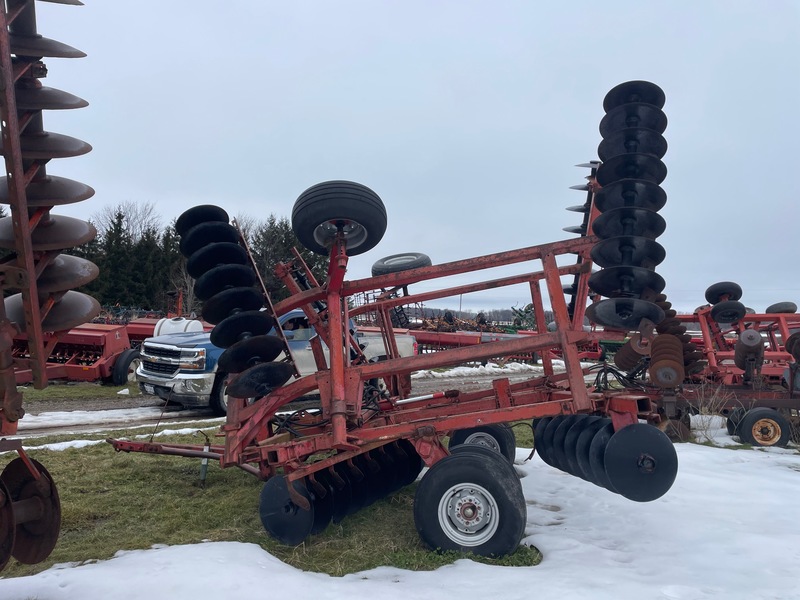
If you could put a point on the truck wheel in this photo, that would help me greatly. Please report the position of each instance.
(764, 427)
(322, 207)
(400, 262)
(499, 438)
(467, 502)
(124, 370)
(219, 395)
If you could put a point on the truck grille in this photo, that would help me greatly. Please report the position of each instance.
(162, 352)
(158, 367)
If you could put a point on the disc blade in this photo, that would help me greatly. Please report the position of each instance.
(557, 453)
(641, 462)
(47, 145)
(281, 517)
(58, 233)
(250, 352)
(623, 313)
(74, 308)
(206, 233)
(66, 272)
(232, 301)
(222, 278)
(39, 47)
(628, 250)
(200, 214)
(214, 255)
(632, 139)
(241, 326)
(631, 166)
(46, 98)
(260, 380)
(570, 443)
(582, 446)
(49, 191)
(633, 114)
(630, 193)
(634, 91)
(629, 221)
(597, 450)
(626, 281)
(35, 538)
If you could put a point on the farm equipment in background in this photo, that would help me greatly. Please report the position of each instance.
(735, 362)
(320, 465)
(34, 266)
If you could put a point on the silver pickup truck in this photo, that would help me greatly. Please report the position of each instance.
(181, 368)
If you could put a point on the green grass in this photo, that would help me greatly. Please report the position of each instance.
(116, 501)
(75, 391)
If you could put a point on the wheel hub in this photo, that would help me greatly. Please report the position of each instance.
(766, 431)
(468, 514)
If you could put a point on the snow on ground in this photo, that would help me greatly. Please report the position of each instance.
(727, 529)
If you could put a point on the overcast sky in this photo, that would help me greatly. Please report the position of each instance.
(467, 118)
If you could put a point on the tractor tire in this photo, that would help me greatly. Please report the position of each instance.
(469, 502)
(764, 427)
(782, 307)
(318, 210)
(219, 395)
(400, 262)
(715, 292)
(733, 420)
(499, 437)
(124, 370)
(728, 311)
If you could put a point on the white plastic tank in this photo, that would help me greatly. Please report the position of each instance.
(176, 325)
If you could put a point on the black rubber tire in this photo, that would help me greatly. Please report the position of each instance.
(125, 367)
(733, 420)
(781, 307)
(729, 311)
(776, 429)
(333, 201)
(396, 263)
(715, 292)
(219, 395)
(499, 437)
(491, 487)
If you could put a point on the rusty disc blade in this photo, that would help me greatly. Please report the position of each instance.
(58, 233)
(632, 139)
(639, 222)
(214, 255)
(74, 308)
(39, 47)
(241, 326)
(260, 380)
(634, 91)
(200, 214)
(35, 538)
(49, 191)
(630, 250)
(623, 313)
(633, 114)
(667, 373)
(66, 272)
(250, 352)
(46, 98)
(222, 278)
(232, 301)
(47, 145)
(207, 233)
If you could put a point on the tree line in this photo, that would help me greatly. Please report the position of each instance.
(141, 265)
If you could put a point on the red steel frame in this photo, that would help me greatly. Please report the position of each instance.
(346, 428)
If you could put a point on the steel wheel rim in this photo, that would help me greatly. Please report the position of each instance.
(766, 432)
(354, 233)
(468, 514)
(481, 438)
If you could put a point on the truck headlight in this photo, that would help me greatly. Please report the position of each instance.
(193, 358)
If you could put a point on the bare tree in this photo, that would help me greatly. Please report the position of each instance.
(138, 217)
